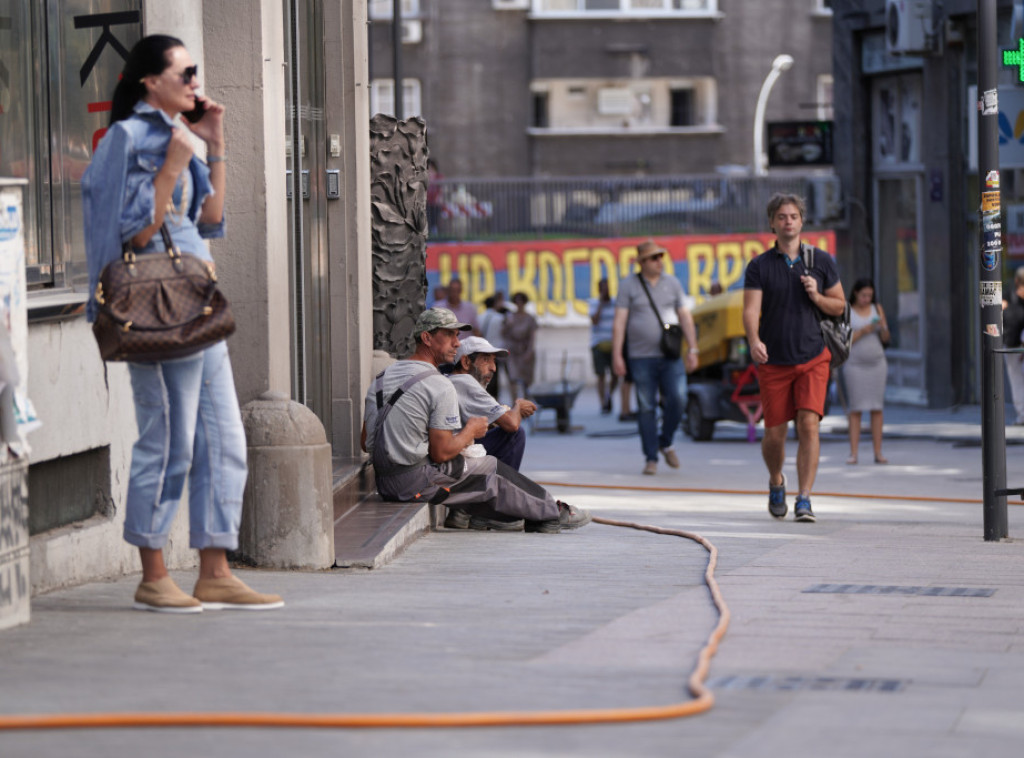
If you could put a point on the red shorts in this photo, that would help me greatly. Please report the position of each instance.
(787, 389)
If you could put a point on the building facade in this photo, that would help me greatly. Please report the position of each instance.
(294, 264)
(599, 87)
(906, 124)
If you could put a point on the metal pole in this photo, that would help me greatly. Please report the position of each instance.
(396, 51)
(993, 429)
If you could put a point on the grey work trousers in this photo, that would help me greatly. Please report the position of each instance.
(481, 486)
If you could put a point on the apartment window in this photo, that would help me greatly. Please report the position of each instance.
(625, 105)
(540, 110)
(382, 97)
(626, 7)
(382, 10)
(684, 111)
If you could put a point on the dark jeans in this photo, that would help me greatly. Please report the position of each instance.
(507, 448)
(651, 376)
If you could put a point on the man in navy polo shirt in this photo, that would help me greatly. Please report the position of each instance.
(780, 299)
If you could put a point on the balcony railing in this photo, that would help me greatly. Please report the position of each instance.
(520, 208)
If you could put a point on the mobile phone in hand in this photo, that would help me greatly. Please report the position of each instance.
(196, 113)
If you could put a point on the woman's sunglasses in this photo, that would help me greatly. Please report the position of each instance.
(188, 74)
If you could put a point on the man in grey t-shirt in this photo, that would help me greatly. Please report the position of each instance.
(412, 430)
(474, 368)
(642, 324)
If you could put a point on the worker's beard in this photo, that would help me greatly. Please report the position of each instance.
(484, 377)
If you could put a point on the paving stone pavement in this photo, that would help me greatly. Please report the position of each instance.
(601, 617)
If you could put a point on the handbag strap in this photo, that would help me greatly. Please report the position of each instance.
(657, 313)
(128, 252)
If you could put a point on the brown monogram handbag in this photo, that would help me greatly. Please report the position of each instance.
(159, 306)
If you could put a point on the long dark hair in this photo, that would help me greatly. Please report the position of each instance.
(147, 58)
(861, 284)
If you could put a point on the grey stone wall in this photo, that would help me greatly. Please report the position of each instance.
(398, 201)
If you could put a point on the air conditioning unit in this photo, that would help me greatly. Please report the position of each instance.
(614, 101)
(908, 27)
(412, 31)
(511, 5)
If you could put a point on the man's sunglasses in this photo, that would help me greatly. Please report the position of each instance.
(655, 257)
(188, 74)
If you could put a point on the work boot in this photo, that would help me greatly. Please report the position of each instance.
(457, 519)
(481, 524)
(569, 517)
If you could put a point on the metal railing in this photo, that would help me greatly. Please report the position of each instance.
(511, 208)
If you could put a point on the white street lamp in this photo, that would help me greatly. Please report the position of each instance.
(780, 64)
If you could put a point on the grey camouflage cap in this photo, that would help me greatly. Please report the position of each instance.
(438, 318)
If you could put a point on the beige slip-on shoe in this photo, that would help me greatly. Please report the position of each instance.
(231, 593)
(164, 596)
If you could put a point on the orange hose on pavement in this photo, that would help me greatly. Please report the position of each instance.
(703, 698)
(711, 491)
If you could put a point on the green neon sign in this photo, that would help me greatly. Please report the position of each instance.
(1016, 58)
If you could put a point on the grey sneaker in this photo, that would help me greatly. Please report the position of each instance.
(482, 524)
(569, 517)
(777, 499)
(802, 510)
(457, 519)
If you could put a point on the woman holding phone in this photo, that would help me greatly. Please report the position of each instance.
(144, 175)
(865, 370)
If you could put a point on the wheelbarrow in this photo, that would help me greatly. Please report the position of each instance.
(558, 395)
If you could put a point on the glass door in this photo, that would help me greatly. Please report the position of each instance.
(307, 216)
(899, 286)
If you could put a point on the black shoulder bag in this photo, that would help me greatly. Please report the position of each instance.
(836, 330)
(671, 334)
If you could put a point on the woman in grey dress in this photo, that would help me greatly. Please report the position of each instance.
(865, 370)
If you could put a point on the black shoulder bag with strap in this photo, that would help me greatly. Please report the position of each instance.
(836, 330)
(671, 334)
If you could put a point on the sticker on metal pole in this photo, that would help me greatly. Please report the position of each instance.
(993, 330)
(992, 180)
(990, 293)
(989, 102)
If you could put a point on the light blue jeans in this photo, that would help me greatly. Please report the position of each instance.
(649, 376)
(190, 427)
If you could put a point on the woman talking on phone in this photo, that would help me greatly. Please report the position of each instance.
(144, 175)
(865, 370)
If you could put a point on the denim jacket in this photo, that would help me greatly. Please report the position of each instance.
(117, 194)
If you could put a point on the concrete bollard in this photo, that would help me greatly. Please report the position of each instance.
(288, 512)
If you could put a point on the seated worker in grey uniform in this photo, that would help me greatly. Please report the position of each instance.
(474, 367)
(415, 435)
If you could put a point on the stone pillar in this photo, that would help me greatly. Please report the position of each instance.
(288, 513)
(398, 190)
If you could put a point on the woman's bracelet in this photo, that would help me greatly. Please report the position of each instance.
(215, 159)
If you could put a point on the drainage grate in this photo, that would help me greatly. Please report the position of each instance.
(818, 683)
(888, 589)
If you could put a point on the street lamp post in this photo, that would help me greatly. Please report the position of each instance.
(781, 63)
